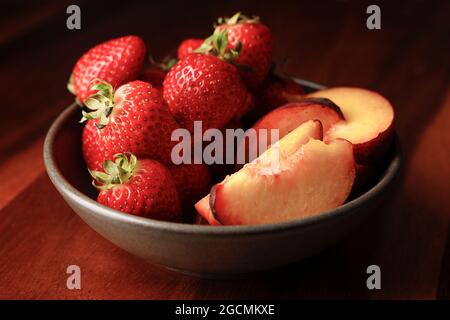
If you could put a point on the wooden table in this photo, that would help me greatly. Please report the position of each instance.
(408, 61)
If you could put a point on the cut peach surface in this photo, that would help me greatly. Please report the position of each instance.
(298, 135)
(293, 140)
(289, 116)
(269, 161)
(369, 121)
(316, 178)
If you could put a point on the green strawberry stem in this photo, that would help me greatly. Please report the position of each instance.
(166, 64)
(101, 103)
(217, 45)
(116, 172)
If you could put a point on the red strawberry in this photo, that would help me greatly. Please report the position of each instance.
(192, 181)
(153, 75)
(248, 106)
(273, 93)
(156, 71)
(187, 46)
(93, 152)
(204, 87)
(133, 119)
(116, 61)
(143, 188)
(256, 47)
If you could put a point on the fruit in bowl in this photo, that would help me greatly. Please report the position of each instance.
(140, 187)
(333, 145)
(368, 124)
(331, 139)
(306, 178)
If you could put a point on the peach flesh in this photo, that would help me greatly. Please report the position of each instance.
(368, 125)
(317, 178)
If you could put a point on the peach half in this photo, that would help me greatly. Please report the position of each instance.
(368, 124)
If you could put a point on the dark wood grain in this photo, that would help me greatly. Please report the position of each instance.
(324, 41)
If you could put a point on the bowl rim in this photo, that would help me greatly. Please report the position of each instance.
(69, 191)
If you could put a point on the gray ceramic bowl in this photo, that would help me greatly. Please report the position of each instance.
(197, 249)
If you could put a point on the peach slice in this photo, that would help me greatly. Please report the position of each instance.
(204, 210)
(285, 147)
(291, 142)
(316, 178)
(289, 116)
(368, 125)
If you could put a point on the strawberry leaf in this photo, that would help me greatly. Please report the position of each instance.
(100, 105)
(234, 19)
(116, 172)
(217, 45)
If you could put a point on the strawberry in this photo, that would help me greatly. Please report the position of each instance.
(153, 75)
(187, 46)
(206, 88)
(134, 119)
(254, 40)
(274, 92)
(248, 106)
(116, 61)
(94, 153)
(156, 71)
(141, 187)
(192, 181)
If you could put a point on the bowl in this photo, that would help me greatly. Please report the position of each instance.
(199, 249)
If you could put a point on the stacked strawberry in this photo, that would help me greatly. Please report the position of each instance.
(247, 44)
(140, 187)
(116, 61)
(206, 88)
(188, 46)
(130, 111)
(156, 72)
(275, 92)
(256, 48)
(134, 118)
